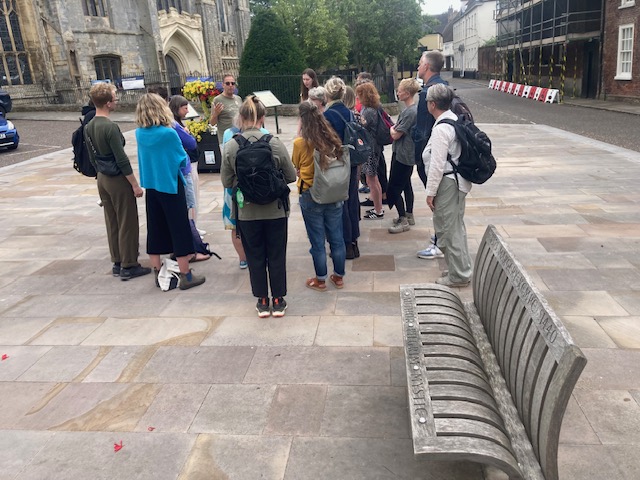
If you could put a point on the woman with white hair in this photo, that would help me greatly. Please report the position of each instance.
(446, 191)
(338, 114)
(318, 96)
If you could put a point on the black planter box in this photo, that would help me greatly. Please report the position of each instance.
(209, 158)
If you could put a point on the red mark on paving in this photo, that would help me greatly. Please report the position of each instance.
(151, 429)
(117, 446)
(4, 356)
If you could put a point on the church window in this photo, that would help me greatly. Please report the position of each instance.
(14, 62)
(94, 8)
(167, 4)
(107, 67)
(221, 15)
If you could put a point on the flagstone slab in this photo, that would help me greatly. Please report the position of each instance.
(587, 332)
(345, 331)
(596, 303)
(319, 365)
(19, 359)
(234, 410)
(60, 305)
(237, 457)
(173, 408)
(624, 331)
(83, 455)
(595, 246)
(19, 330)
(17, 449)
(589, 279)
(356, 303)
(91, 407)
(579, 462)
(121, 364)
(576, 428)
(374, 263)
(62, 364)
(366, 411)
(387, 331)
(296, 410)
(197, 365)
(20, 397)
(144, 331)
(610, 369)
(72, 333)
(613, 414)
(288, 330)
(368, 458)
(630, 301)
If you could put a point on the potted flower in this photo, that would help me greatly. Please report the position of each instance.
(204, 92)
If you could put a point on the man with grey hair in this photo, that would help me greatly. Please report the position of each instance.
(447, 191)
(429, 67)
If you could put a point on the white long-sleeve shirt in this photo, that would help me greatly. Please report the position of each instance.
(443, 142)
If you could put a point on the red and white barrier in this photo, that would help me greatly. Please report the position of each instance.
(547, 95)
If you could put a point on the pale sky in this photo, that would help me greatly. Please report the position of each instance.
(434, 7)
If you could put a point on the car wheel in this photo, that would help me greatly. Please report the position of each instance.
(3, 111)
(12, 147)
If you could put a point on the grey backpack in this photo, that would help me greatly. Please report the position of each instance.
(331, 185)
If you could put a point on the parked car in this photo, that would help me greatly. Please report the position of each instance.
(9, 137)
(5, 103)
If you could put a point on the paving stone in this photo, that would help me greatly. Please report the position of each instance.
(398, 367)
(345, 331)
(319, 365)
(596, 303)
(589, 279)
(234, 410)
(630, 301)
(366, 411)
(19, 398)
(17, 331)
(356, 303)
(79, 455)
(91, 407)
(144, 331)
(296, 410)
(610, 369)
(197, 365)
(237, 457)
(613, 414)
(624, 331)
(374, 263)
(387, 331)
(173, 408)
(576, 429)
(61, 364)
(587, 332)
(367, 458)
(19, 360)
(62, 305)
(288, 330)
(66, 333)
(17, 449)
(121, 362)
(579, 462)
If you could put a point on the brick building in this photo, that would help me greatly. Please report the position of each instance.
(52, 50)
(621, 51)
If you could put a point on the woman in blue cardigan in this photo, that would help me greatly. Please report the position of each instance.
(160, 156)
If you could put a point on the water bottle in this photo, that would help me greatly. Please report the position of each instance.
(239, 198)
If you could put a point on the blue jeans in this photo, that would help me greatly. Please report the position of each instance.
(324, 221)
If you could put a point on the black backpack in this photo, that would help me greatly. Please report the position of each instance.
(476, 163)
(461, 109)
(357, 139)
(259, 180)
(81, 160)
(383, 128)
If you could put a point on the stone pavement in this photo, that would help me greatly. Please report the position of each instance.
(195, 386)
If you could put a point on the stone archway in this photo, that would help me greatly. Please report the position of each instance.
(174, 75)
(186, 50)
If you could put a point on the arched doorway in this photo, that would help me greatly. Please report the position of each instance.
(173, 76)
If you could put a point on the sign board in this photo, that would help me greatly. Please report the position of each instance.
(133, 83)
(106, 80)
(191, 113)
(268, 98)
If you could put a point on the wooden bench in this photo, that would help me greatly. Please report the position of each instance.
(488, 380)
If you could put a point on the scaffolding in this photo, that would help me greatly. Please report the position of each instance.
(534, 39)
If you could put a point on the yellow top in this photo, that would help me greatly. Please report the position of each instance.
(303, 161)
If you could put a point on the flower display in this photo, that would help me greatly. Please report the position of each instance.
(204, 92)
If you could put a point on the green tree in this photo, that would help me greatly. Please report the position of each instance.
(270, 51)
(270, 48)
(320, 34)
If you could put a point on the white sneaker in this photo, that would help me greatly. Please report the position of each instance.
(402, 225)
(201, 232)
(430, 253)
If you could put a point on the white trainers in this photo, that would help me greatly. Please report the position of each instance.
(410, 218)
(431, 252)
(201, 232)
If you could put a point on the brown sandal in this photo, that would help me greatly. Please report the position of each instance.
(199, 257)
(337, 281)
(315, 284)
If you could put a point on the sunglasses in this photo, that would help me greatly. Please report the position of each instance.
(229, 83)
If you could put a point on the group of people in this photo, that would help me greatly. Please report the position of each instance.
(166, 151)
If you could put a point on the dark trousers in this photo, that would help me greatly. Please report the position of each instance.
(400, 181)
(168, 227)
(382, 172)
(265, 244)
(121, 218)
(351, 211)
(420, 163)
